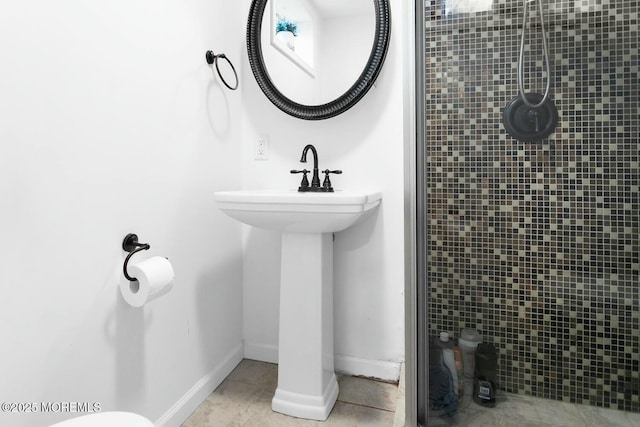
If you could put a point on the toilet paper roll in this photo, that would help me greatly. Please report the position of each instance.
(154, 278)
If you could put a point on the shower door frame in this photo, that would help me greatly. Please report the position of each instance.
(416, 330)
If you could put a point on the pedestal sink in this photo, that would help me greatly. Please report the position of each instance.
(307, 386)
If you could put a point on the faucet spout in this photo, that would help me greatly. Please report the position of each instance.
(315, 180)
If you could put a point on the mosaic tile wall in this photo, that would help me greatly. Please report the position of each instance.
(536, 245)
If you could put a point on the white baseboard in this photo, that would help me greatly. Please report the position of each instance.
(261, 352)
(190, 401)
(380, 369)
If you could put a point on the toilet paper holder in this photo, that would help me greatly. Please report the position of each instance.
(131, 245)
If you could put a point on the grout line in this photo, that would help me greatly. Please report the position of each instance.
(366, 406)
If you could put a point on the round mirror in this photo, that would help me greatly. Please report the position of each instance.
(315, 59)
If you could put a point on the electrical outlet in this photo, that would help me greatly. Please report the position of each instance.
(262, 148)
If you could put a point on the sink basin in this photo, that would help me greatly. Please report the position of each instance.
(291, 211)
(307, 384)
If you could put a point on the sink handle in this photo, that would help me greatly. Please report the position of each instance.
(304, 185)
(327, 182)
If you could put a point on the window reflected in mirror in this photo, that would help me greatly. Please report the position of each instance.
(293, 31)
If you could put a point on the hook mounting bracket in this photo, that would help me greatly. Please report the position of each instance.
(130, 244)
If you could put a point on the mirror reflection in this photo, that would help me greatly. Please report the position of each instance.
(314, 50)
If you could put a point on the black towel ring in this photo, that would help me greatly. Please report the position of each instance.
(131, 245)
(213, 59)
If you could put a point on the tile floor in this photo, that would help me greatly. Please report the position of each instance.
(526, 411)
(244, 400)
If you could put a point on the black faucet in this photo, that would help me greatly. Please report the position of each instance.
(315, 180)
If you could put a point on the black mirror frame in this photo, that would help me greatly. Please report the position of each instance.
(344, 101)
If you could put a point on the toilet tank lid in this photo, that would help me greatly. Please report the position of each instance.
(107, 419)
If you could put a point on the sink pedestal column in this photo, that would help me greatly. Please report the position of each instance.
(307, 386)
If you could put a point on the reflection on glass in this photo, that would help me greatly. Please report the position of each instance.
(453, 7)
(588, 5)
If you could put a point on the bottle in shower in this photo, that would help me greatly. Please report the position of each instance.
(485, 382)
(449, 359)
(443, 382)
(457, 355)
(468, 342)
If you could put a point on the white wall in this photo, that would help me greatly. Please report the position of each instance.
(111, 122)
(366, 142)
(347, 55)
